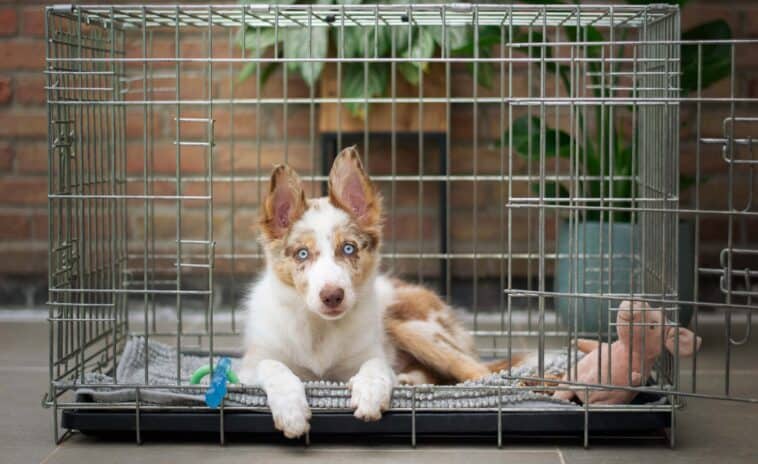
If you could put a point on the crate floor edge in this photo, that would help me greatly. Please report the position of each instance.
(392, 423)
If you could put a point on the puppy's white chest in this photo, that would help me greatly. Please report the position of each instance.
(319, 352)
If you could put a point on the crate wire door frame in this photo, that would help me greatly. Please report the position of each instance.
(158, 157)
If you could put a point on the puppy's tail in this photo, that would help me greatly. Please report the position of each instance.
(503, 364)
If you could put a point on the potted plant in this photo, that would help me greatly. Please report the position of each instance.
(579, 243)
(361, 79)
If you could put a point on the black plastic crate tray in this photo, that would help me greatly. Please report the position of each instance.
(392, 424)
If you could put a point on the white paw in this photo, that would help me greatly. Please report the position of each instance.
(369, 396)
(290, 412)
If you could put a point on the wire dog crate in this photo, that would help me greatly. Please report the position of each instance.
(530, 158)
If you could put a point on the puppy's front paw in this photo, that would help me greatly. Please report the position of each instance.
(290, 412)
(369, 396)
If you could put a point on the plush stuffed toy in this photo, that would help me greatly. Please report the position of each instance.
(629, 325)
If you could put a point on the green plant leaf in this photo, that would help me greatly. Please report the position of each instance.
(354, 84)
(622, 162)
(409, 71)
(622, 166)
(589, 34)
(250, 68)
(258, 40)
(488, 37)
(465, 46)
(383, 37)
(247, 70)
(716, 59)
(526, 131)
(354, 41)
(485, 71)
(686, 181)
(521, 36)
(296, 46)
(486, 74)
(550, 190)
(422, 47)
(593, 35)
(535, 51)
(457, 36)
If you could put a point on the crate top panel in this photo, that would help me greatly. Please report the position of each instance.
(451, 14)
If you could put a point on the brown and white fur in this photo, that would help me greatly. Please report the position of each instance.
(322, 310)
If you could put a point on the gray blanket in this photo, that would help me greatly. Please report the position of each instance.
(162, 361)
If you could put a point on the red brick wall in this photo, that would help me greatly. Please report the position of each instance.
(23, 131)
(23, 152)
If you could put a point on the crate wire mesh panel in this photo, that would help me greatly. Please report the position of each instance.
(533, 178)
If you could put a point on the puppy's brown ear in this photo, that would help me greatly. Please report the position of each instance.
(284, 204)
(351, 189)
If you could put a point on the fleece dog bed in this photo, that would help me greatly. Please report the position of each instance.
(162, 361)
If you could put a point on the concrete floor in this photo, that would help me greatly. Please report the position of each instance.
(709, 431)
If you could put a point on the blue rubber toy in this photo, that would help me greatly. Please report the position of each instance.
(217, 388)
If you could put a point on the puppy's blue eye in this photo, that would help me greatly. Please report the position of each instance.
(348, 248)
(302, 254)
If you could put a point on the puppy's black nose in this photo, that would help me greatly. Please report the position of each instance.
(332, 296)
